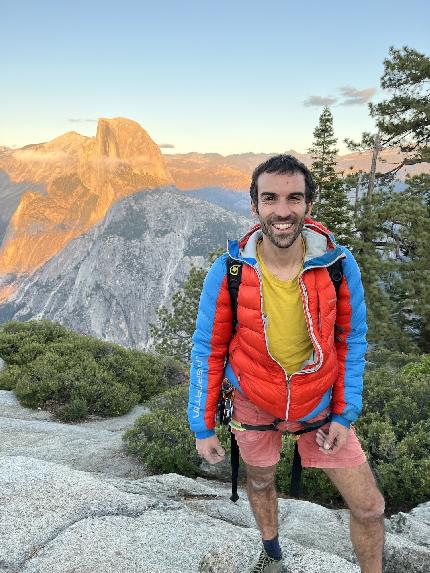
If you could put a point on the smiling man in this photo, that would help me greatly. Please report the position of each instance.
(295, 358)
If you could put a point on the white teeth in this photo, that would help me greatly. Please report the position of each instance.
(282, 226)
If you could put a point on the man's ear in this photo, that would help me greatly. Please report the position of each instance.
(254, 210)
(308, 209)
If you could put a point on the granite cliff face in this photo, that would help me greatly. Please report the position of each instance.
(110, 281)
(82, 178)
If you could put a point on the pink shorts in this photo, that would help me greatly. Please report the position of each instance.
(262, 448)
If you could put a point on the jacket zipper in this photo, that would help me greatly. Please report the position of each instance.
(264, 318)
(314, 340)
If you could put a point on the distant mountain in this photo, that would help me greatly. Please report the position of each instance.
(82, 177)
(110, 281)
(211, 170)
(231, 200)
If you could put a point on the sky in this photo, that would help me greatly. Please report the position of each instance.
(230, 76)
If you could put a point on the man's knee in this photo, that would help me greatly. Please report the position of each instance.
(372, 510)
(260, 479)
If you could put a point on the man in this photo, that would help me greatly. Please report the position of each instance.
(297, 354)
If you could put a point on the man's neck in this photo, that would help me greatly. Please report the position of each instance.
(282, 258)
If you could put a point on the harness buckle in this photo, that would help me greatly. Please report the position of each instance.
(236, 426)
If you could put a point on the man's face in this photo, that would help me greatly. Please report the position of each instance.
(281, 207)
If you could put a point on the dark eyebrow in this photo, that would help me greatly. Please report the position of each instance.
(297, 193)
(293, 194)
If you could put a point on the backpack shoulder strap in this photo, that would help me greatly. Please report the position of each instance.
(234, 277)
(335, 270)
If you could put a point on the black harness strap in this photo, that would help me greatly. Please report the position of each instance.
(335, 271)
(234, 457)
(234, 277)
(264, 427)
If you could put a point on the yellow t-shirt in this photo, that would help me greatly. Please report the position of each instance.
(287, 332)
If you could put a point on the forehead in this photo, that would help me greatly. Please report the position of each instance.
(281, 183)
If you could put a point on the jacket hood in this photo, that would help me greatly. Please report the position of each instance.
(321, 247)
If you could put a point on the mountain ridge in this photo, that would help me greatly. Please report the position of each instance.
(83, 177)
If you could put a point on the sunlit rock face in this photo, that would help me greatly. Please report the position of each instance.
(82, 178)
(110, 281)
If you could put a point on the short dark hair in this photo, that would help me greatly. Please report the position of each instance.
(283, 164)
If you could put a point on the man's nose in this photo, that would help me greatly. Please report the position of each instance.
(283, 209)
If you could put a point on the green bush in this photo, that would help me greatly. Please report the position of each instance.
(389, 359)
(21, 342)
(73, 375)
(66, 374)
(162, 440)
(395, 431)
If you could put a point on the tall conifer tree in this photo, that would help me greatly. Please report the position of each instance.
(332, 207)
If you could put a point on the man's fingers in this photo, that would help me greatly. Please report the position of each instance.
(338, 444)
(210, 449)
(320, 437)
(217, 455)
(212, 455)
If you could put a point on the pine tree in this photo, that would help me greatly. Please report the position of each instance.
(332, 207)
(404, 118)
(409, 213)
(174, 328)
(393, 255)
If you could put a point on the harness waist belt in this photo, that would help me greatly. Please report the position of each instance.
(308, 427)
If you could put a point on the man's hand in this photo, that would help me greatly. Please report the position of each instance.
(210, 449)
(332, 441)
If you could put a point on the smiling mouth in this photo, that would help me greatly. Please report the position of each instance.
(282, 226)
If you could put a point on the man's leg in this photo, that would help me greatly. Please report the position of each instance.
(359, 490)
(260, 485)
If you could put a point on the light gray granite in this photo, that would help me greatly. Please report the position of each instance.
(73, 501)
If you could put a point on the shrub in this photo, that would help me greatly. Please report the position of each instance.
(164, 443)
(162, 440)
(156, 373)
(67, 375)
(21, 342)
(395, 431)
(74, 375)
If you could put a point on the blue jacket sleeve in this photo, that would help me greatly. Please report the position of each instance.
(210, 346)
(350, 344)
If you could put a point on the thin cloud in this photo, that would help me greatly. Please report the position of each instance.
(78, 120)
(166, 146)
(356, 97)
(319, 101)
